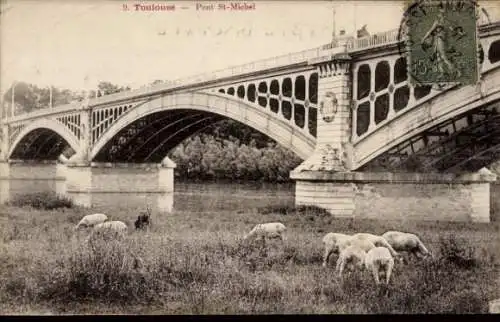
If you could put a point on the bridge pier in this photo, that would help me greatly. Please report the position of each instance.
(25, 176)
(328, 178)
(403, 196)
(123, 185)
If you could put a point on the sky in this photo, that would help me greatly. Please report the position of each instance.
(76, 44)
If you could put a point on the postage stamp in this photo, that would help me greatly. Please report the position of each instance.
(442, 42)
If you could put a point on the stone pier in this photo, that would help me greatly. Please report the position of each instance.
(413, 196)
(23, 176)
(122, 185)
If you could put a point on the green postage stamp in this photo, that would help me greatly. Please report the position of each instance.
(442, 42)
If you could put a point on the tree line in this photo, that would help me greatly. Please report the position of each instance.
(227, 150)
(29, 97)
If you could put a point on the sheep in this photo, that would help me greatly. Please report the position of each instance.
(91, 220)
(336, 242)
(143, 220)
(351, 254)
(378, 241)
(331, 242)
(494, 306)
(364, 244)
(406, 242)
(379, 258)
(267, 230)
(110, 228)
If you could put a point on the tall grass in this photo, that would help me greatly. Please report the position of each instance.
(194, 262)
(225, 277)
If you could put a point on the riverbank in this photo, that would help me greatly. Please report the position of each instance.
(194, 262)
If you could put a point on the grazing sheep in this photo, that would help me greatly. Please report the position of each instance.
(267, 230)
(378, 260)
(110, 229)
(332, 241)
(143, 221)
(494, 306)
(364, 244)
(377, 241)
(406, 242)
(91, 220)
(353, 255)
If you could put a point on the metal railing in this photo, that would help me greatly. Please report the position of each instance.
(375, 40)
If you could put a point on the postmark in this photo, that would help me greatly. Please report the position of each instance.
(441, 42)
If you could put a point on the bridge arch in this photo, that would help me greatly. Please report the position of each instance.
(286, 134)
(49, 125)
(437, 110)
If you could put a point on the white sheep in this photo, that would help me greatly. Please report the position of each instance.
(406, 242)
(267, 230)
(331, 242)
(353, 255)
(494, 306)
(110, 229)
(91, 220)
(377, 241)
(364, 244)
(379, 259)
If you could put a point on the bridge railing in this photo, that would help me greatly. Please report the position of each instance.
(375, 40)
(367, 42)
(259, 65)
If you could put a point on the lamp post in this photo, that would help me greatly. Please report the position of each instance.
(355, 32)
(334, 31)
(86, 99)
(50, 96)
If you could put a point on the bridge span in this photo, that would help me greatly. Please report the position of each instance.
(346, 108)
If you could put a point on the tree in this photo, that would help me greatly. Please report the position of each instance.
(25, 98)
(157, 81)
(234, 129)
(29, 97)
(106, 88)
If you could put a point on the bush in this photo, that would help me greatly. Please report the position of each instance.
(42, 200)
(458, 252)
(212, 157)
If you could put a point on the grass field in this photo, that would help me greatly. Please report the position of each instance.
(194, 263)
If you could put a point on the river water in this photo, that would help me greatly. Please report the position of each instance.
(187, 196)
(211, 196)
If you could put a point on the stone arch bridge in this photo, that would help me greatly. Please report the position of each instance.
(382, 129)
